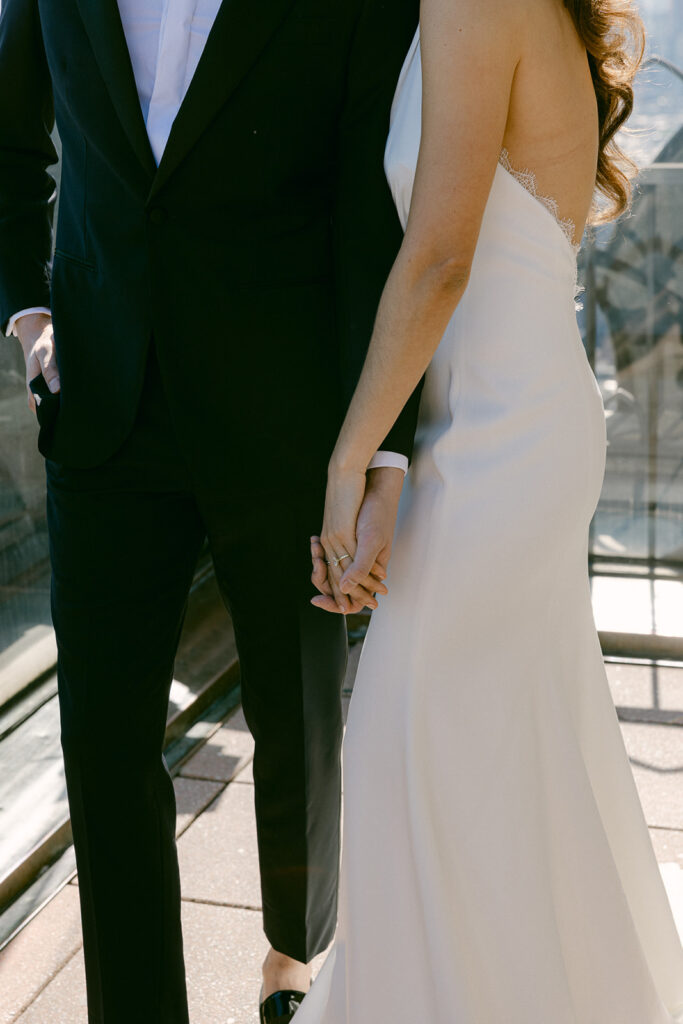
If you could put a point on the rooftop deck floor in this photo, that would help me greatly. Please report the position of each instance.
(41, 970)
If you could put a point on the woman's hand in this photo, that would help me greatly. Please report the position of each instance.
(345, 493)
(360, 597)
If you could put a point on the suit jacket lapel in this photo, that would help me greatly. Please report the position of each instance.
(105, 31)
(240, 32)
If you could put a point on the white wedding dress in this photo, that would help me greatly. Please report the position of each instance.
(497, 868)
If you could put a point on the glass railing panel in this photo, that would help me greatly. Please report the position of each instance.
(26, 642)
(632, 323)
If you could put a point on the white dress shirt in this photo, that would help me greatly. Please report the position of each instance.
(166, 40)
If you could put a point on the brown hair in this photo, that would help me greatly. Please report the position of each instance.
(614, 36)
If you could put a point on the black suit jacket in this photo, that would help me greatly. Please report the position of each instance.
(254, 255)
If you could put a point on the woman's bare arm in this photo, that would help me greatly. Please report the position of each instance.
(470, 50)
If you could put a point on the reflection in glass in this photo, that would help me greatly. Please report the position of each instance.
(26, 644)
(632, 323)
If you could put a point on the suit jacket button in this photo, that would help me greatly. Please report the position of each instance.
(158, 216)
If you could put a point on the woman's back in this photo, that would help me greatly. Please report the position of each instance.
(552, 126)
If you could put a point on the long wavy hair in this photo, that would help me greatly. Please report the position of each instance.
(614, 36)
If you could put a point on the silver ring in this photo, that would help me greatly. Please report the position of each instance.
(337, 561)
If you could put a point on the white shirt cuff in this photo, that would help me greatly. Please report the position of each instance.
(391, 459)
(11, 326)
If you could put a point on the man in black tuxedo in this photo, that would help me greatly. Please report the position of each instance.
(192, 348)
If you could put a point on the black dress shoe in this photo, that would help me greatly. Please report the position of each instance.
(280, 1007)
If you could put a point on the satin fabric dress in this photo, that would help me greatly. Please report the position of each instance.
(497, 866)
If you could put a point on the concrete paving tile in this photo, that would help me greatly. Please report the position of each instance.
(38, 953)
(192, 796)
(225, 754)
(668, 844)
(64, 999)
(218, 853)
(656, 753)
(646, 686)
(246, 775)
(39, 892)
(224, 950)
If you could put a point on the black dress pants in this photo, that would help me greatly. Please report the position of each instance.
(125, 537)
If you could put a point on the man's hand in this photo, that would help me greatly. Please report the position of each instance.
(348, 588)
(35, 334)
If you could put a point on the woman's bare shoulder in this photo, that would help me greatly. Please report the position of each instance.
(497, 19)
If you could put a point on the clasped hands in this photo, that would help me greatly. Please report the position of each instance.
(359, 521)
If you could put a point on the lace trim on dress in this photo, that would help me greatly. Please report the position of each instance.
(528, 180)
